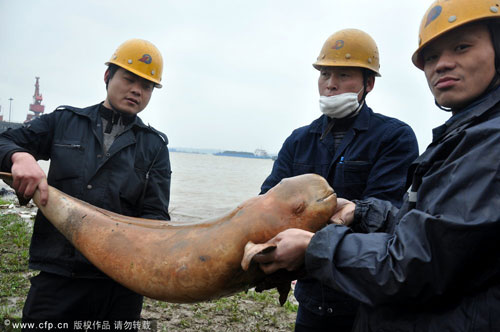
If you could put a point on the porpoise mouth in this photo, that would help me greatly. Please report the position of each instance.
(328, 196)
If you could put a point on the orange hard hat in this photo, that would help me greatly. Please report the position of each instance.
(349, 48)
(140, 57)
(445, 15)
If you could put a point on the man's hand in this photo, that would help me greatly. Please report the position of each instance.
(291, 246)
(27, 176)
(344, 214)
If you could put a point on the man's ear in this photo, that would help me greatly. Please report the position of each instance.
(106, 76)
(370, 83)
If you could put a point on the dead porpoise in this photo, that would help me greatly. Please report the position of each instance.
(185, 263)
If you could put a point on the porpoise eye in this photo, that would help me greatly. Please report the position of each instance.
(299, 207)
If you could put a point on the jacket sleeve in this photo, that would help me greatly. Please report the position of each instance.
(448, 244)
(157, 195)
(34, 138)
(374, 215)
(282, 167)
(387, 178)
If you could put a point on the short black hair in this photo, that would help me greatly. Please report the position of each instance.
(368, 73)
(112, 68)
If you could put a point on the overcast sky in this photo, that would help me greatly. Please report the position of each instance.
(237, 74)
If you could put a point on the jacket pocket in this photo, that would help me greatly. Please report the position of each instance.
(67, 160)
(356, 172)
(350, 178)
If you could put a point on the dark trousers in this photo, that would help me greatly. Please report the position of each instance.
(54, 299)
(308, 321)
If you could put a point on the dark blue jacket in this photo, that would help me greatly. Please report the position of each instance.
(371, 161)
(433, 264)
(72, 139)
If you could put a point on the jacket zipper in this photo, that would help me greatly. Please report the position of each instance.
(71, 146)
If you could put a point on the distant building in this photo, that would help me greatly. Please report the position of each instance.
(259, 154)
(37, 108)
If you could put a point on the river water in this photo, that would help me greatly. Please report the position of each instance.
(205, 186)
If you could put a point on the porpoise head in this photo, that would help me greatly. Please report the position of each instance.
(306, 202)
(307, 195)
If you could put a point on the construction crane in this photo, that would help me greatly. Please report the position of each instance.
(37, 108)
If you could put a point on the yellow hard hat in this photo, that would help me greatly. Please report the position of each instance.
(349, 48)
(445, 15)
(141, 58)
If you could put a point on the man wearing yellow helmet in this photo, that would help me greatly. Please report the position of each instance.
(361, 154)
(433, 264)
(102, 154)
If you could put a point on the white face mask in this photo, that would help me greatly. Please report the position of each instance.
(340, 106)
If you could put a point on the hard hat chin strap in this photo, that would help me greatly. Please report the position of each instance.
(446, 109)
(495, 82)
(365, 83)
(494, 29)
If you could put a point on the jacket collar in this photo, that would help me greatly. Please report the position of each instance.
(91, 112)
(361, 123)
(473, 111)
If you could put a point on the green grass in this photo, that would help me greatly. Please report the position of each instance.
(15, 235)
(4, 202)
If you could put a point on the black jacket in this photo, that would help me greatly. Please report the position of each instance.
(434, 264)
(72, 139)
(371, 161)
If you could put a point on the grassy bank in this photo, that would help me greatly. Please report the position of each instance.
(242, 312)
(15, 235)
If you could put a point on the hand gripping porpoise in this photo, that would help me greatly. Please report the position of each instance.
(185, 263)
